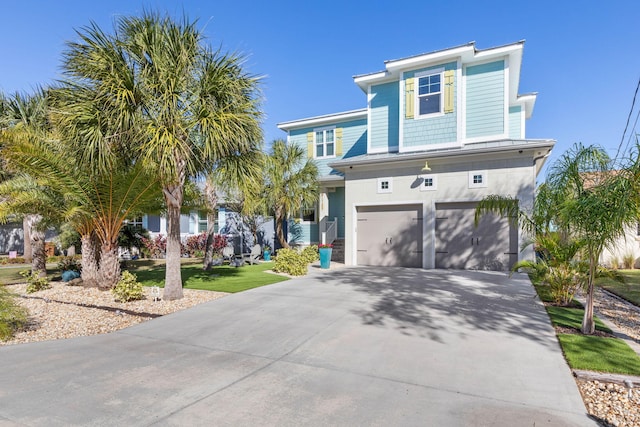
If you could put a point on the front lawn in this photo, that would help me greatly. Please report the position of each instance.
(629, 290)
(223, 278)
(589, 352)
(11, 275)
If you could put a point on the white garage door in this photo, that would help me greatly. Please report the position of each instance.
(493, 245)
(390, 235)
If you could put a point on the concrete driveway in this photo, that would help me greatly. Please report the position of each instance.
(353, 346)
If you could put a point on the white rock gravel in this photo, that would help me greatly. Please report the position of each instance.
(71, 311)
(608, 402)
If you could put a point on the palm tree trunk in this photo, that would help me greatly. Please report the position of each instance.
(280, 230)
(212, 201)
(109, 266)
(173, 195)
(89, 260)
(26, 237)
(588, 324)
(38, 255)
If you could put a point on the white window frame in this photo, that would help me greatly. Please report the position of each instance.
(315, 215)
(416, 92)
(483, 174)
(434, 180)
(324, 143)
(389, 181)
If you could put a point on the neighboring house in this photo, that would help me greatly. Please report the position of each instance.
(401, 177)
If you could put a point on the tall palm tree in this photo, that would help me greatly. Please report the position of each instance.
(290, 183)
(183, 105)
(25, 117)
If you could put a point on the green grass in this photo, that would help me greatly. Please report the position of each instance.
(629, 290)
(590, 352)
(571, 318)
(599, 354)
(11, 275)
(222, 278)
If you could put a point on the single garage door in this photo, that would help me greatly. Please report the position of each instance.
(493, 245)
(390, 235)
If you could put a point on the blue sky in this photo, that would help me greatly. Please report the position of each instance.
(582, 57)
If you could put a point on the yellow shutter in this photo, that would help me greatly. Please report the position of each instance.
(338, 134)
(409, 101)
(310, 145)
(448, 91)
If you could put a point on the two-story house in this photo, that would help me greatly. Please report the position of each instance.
(401, 177)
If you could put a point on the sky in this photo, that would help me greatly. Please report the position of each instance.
(582, 57)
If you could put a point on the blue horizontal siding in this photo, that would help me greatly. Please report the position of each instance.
(485, 99)
(384, 109)
(432, 130)
(336, 208)
(515, 123)
(354, 142)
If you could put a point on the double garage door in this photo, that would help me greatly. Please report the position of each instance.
(393, 236)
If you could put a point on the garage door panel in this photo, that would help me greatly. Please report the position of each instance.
(462, 245)
(390, 236)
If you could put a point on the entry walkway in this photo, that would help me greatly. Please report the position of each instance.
(352, 346)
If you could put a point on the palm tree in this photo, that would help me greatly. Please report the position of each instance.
(24, 117)
(95, 205)
(290, 183)
(184, 106)
(586, 201)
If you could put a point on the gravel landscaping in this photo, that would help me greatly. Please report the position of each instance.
(65, 311)
(606, 401)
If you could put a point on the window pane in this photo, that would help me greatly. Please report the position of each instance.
(319, 137)
(308, 215)
(430, 104)
(329, 149)
(319, 150)
(329, 136)
(434, 79)
(428, 182)
(435, 88)
(477, 179)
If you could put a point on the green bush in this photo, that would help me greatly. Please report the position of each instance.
(310, 254)
(291, 262)
(17, 260)
(12, 316)
(35, 283)
(128, 288)
(70, 263)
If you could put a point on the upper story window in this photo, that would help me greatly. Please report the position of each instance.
(429, 93)
(325, 142)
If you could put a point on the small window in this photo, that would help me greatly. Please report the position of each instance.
(385, 185)
(429, 183)
(308, 215)
(429, 93)
(136, 222)
(203, 224)
(477, 179)
(325, 142)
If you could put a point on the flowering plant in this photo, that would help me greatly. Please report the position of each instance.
(323, 245)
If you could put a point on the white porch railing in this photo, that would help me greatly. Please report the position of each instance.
(331, 232)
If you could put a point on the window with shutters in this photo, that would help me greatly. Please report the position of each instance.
(325, 142)
(428, 94)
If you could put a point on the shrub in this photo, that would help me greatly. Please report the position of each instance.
(70, 263)
(35, 283)
(16, 260)
(195, 244)
(128, 288)
(12, 316)
(615, 263)
(310, 254)
(156, 247)
(291, 262)
(628, 261)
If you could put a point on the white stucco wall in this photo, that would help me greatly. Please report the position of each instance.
(507, 174)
